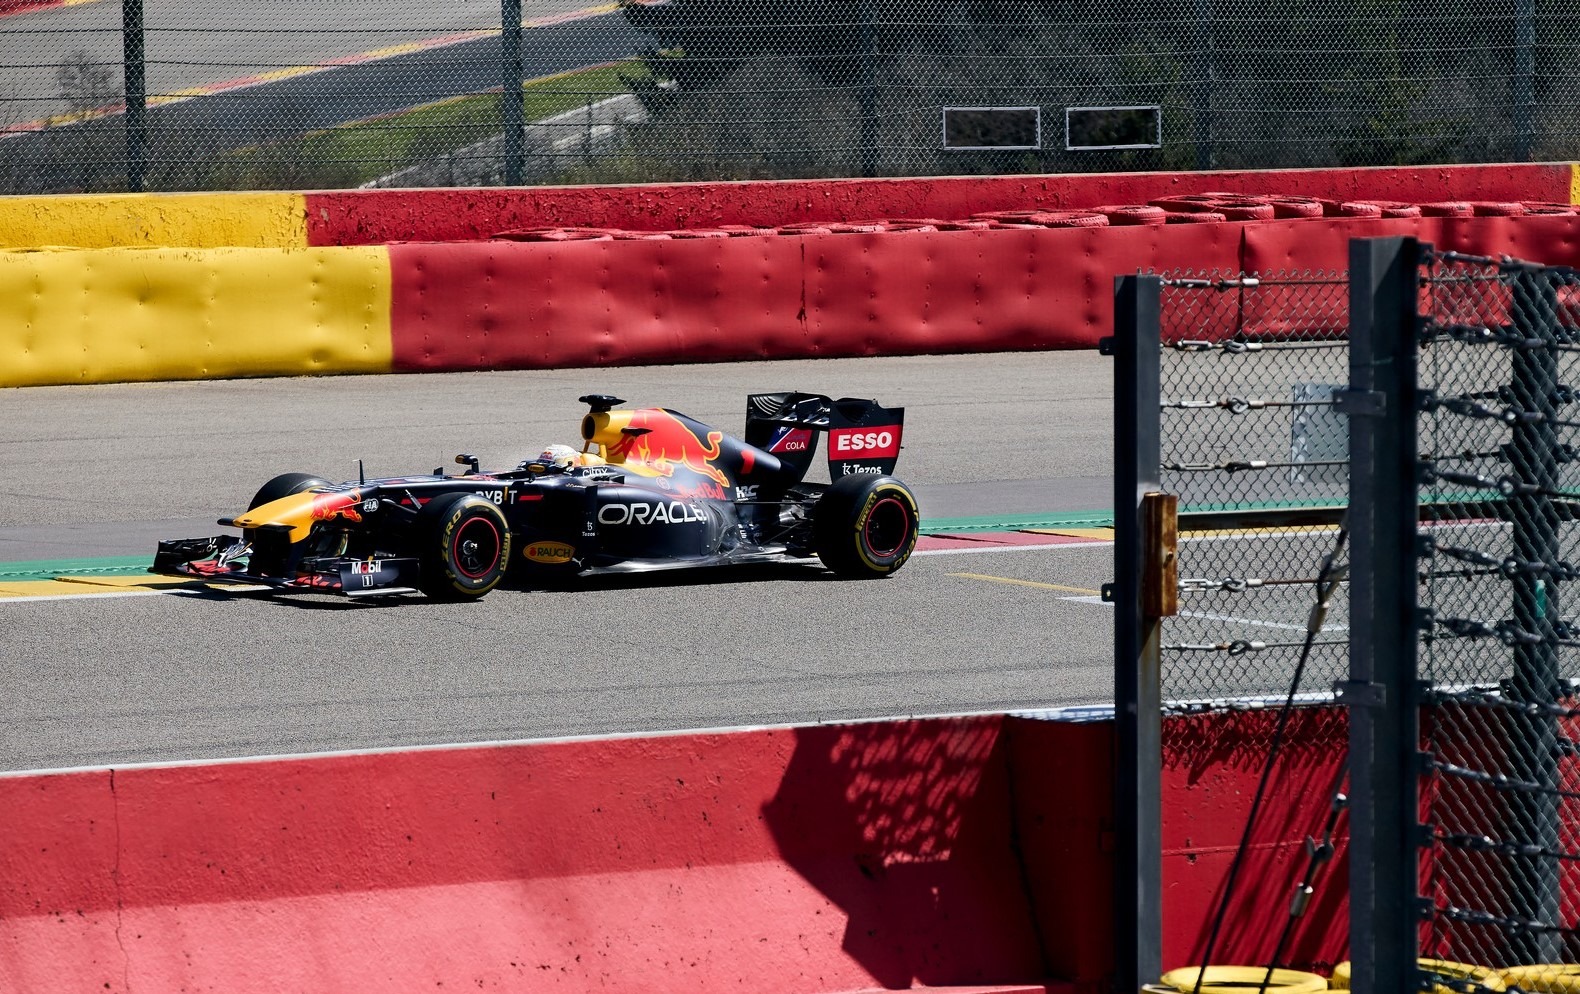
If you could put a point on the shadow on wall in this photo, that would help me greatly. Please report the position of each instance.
(1211, 765)
(907, 831)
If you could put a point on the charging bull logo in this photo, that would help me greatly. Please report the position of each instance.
(329, 506)
(658, 441)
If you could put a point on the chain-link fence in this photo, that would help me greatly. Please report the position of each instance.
(174, 94)
(1451, 385)
(1228, 393)
(1254, 446)
(1498, 368)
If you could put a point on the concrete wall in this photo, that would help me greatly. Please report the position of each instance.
(957, 853)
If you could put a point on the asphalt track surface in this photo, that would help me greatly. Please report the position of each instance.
(108, 470)
(190, 46)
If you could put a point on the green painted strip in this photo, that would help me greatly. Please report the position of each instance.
(1009, 523)
(46, 569)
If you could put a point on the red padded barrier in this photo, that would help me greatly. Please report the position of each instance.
(900, 854)
(364, 217)
(1210, 766)
(507, 305)
(1293, 246)
(904, 854)
(511, 305)
(794, 861)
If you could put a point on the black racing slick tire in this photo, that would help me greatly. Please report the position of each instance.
(463, 546)
(285, 485)
(865, 526)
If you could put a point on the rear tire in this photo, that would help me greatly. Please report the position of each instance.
(285, 485)
(463, 546)
(865, 526)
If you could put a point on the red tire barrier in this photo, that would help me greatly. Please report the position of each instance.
(1069, 219)
(1194, 217)
(1132, 214)
(557, 235)
(1197, 198)
(374, 217)
(1233, 206)
(860, 227)
(1045, 218)
(1009, 217)
(641, 236)
(1395, 208)
(1297, 207)
(831, 227)
(1357, 208)
(1243, 209)
(967, 224)
(1550, 210)
(698, 233)
(1497, 208)
(914, 224)
(804, 228)
(1448, 208)
(1183, 204)
(744, 230)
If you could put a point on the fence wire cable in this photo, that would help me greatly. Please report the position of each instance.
(1327, 583)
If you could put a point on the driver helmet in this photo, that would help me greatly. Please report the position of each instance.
(562, 456)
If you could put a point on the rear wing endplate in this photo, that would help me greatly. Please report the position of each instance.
(863, 435)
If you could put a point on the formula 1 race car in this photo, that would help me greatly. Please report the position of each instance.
(650, 489)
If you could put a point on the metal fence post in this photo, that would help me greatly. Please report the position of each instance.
(869, 91)
(1524, 78)
(1206, 68)
(510, 108)
(1138, 703)
(1535, 450)
(136, 91)
(1381, 694)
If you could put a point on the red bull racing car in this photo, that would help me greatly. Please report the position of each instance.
(649, 489)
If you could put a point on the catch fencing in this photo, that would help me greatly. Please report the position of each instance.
(1256, 452)
(1406, 436)
(177, 95)
(1228, 397)
(1484, 405)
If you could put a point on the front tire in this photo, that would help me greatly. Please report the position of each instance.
(865, 526)
(271, 555)
(285, 485)
(463, 546)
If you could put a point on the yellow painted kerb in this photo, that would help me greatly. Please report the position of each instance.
(192, 220)
(114, 315)
(1574, 182)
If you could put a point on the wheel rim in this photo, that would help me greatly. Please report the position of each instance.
(475, 548)
(887, 529)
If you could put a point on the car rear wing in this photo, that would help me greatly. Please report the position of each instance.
(863, 436)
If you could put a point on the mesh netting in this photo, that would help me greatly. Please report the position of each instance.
(1250, 432)
(1500, 481)
(309, 93)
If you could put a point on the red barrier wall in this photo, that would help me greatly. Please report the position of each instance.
(501, 305)
(941, 853)
(365, 217)
(1211, 765)
(818, 859)
(514, 305)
